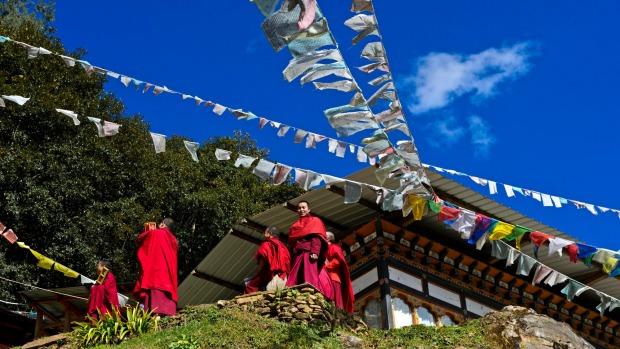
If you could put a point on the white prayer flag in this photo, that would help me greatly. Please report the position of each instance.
(97, 123)
(361, 156)
(16, 99)
(159, 141)
(591, 208)
(244, 161)
(299, 136)
(280, 174)
(546, 200)
(341, 148)
(70, 114)
(191, 148)
(262, 122)
(556, 201)
(332, 144)
(493, 187)
(282, 131)
(219, 109)
(70, 62)
(264, 168)
(300, 177)
(110, 128)
(222, 154)
(310, 140)
(329, 180)
(125, 80)
(509, 191)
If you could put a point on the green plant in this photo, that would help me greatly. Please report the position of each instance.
(140, 321)
(107, 329)
(113, 328)
(184, 343)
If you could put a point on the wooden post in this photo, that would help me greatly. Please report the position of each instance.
(38, 327)
(67, 321)
(387, 317)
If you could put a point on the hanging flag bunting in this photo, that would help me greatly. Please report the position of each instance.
(448, 214)
(110, 128)
(501, 230)
(244, 161)
(281, 173)
(585, 250)
(513, 254)
(282, 131)
(9, 235)
(482, 225)
(97, 123)
(464, 224)
(159, 142)
(352, 192)
(299, 136)
(300, 177)
(365, 25)
(192, 147)
(263, 169)
(70, 114)
(557, 244)
(16, 99)
(573, 288)
(262, 122)
(222, 154)
(313, 179)
(219, 109)
(526, 263)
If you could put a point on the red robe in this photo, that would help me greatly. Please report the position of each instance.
(157, 255)
(103, 297)
(307, 236)
(341, 279)
(276, 260)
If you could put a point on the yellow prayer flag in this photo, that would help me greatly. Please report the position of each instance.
(417, 206)
(22, 245)
(518, 243)
(609, 265)
(44, 262)
(501, 231)
(66, 271)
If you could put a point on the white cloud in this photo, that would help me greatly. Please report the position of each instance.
(440, 78)
(481, 137)
(444, 132)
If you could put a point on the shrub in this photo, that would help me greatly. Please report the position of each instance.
(113, 328)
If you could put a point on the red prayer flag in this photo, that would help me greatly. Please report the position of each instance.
(9, 235)
(448, 213)
(539, 238)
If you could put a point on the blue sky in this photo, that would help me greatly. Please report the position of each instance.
(521, 93)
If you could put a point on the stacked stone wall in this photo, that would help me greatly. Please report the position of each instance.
(298, 304)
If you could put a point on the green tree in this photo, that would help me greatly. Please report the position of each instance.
(75, 197)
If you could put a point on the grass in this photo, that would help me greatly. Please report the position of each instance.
(209, 327)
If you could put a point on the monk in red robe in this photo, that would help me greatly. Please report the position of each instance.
(156, 288)
(338, 271)
(308, 243)
(274, 264)
(103, 295)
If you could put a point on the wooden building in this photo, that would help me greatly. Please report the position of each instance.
(408, 271)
